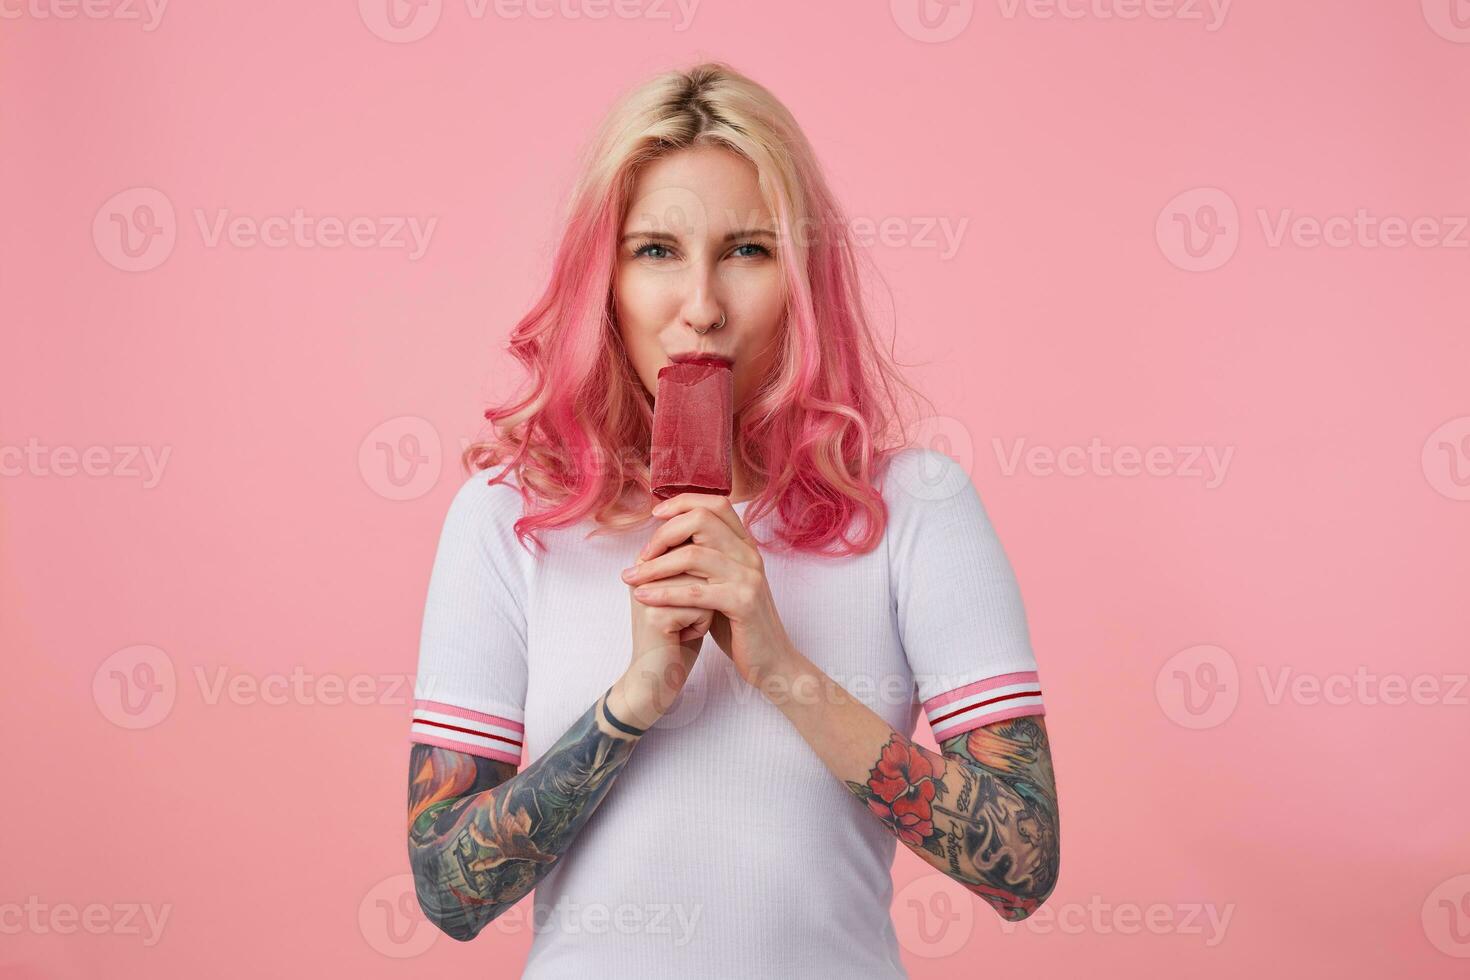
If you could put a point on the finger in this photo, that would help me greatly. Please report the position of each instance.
(704, 528)
(718, 596)
(716, 504)
(691, 559)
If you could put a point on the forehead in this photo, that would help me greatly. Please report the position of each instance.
(697, 190)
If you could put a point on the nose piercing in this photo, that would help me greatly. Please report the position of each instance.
(715, 327)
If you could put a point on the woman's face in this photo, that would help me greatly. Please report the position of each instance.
(699, 243)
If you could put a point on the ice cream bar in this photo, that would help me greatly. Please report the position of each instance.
(693, 428)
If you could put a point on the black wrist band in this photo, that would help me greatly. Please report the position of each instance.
(626, 729)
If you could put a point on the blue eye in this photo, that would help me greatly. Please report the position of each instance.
(648, 249)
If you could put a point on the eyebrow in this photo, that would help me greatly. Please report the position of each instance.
(663, 236)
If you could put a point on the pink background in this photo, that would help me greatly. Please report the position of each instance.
(281, 539)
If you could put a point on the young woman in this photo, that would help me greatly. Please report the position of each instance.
(725, 808)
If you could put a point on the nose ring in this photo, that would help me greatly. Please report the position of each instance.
(715, 327)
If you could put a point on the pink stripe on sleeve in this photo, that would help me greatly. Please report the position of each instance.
(483, 752)
(467, 714)
(979, 687)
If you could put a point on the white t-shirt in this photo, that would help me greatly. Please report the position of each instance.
(725, 849)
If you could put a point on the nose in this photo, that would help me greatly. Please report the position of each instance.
(701, 309)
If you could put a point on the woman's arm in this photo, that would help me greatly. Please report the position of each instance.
(480, 835)
(984, 812)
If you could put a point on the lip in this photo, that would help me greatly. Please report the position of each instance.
(706, 356)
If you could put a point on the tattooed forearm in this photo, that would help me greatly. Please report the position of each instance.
(985, 812)
(481, 836)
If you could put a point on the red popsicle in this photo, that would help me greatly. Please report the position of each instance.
(693, 428)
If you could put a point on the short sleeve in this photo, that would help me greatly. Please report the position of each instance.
(957, 603)
(469, 693)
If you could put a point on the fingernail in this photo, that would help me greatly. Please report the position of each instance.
(628, 573)
(643, 592)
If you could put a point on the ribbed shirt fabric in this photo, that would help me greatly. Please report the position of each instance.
(725, 850)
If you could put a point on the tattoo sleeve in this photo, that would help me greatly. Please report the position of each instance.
(984, 813)
(481, 835)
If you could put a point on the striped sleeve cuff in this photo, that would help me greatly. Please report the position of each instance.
(983, 702)
(449, 727)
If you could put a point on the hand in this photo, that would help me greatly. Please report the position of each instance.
(729, 578)
(666, 643)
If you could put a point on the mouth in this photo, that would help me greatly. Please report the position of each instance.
(708, 357)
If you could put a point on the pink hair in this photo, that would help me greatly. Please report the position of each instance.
(814, 436)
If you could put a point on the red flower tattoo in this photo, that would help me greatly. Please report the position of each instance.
(902, 786)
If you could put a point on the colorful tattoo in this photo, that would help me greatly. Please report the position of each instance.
(481, 836)
(985, 812)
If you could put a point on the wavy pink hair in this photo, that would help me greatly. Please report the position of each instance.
(814, 436)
